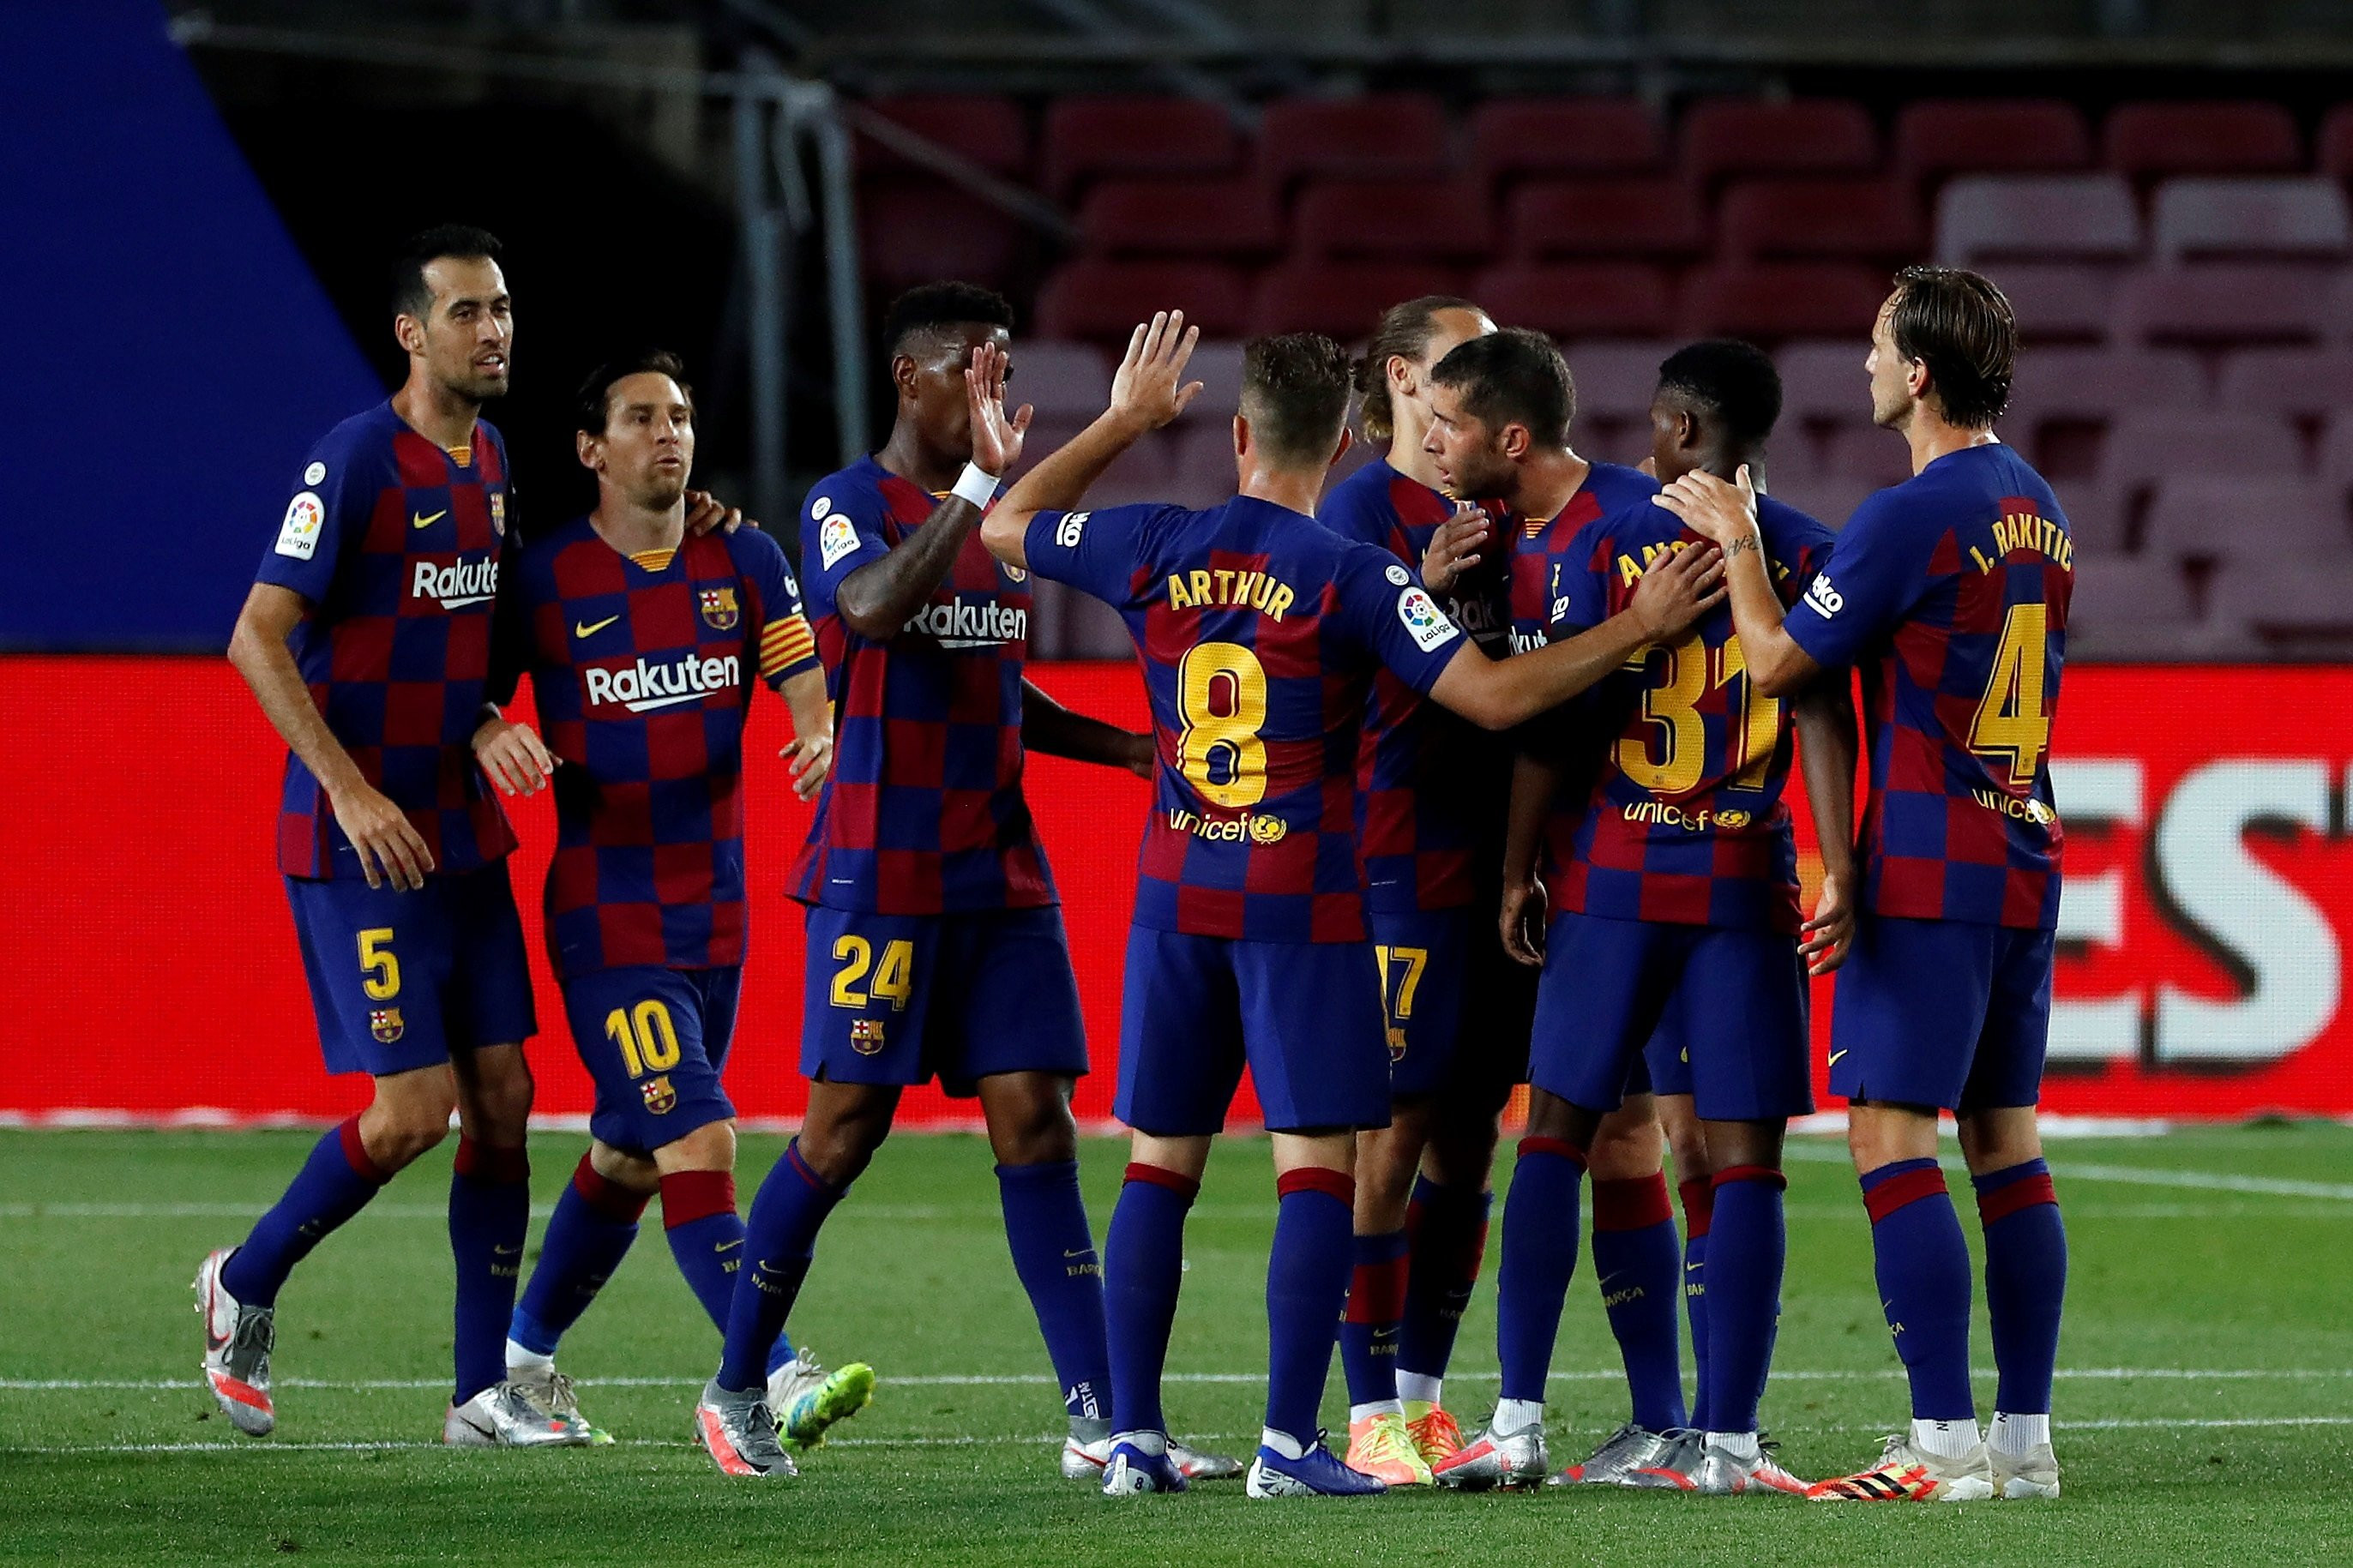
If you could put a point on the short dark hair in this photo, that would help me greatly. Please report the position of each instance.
(927, 305)
(592, 409)
(1295, 390)
(1514, 377)
(411, 295)
(1731, 380)
(1404, 330)
(1961, 327)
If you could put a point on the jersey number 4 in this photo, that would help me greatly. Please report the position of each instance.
(2010, 725)
(1221, 690)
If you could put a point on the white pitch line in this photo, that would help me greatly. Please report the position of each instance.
(2135, 1175)
(1027, 1380)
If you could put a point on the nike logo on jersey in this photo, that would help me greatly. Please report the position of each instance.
(417, 522)
(1835, 1057)
(590, 629)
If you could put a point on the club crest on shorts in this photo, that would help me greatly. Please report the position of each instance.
(866, 1037)
(718, 606)
(1396, 1044)
(384, 1024)
(660, 1099)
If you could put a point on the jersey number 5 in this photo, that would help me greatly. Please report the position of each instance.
(1222, 688)
(2011, 724)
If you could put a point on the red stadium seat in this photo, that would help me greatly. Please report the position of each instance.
(982, 129)
(2296, 608)
(1391, 218)
(1572, 299)
(1181, 217)
(1059, 381)
(2039, 217)
(1828, 498)
(1725, 137)
(1776, 299)
(1658, 218)
(1515, 136)
(2097, 517)
(1377, 136)
(1343, 299)
(2152, 140)
(2232, 305)
(2158, 446)
(2332, 150)
(914, 228)
(1088, 138)
(1203, 472)
(1936, 137)
(1103, 301)
(1615, 380)
(2301, 219)
(1218, 366)
(2057, 302)
(1867, 219)
(2128, 608)
(2304, 383)
(1825, 381)
(2249, 517)
(1863, 451)
(2063, 400)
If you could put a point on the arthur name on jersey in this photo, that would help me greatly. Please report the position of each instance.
(1269, 595)
(645, 684)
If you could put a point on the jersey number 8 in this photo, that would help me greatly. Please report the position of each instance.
(1221, 690)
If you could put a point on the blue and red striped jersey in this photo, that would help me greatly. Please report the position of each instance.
(924, 812)
(395, 546)
(1686, 822)
(1541, 553)
(1950, 592)
(1258, 632)
(1430, 786)
(642, 669)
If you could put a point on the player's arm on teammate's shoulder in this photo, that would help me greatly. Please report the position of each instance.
(1500, 693)
(811, 752)
(1725, 514)
(705, 511)
(1052, 729)
(511, 755)
(1823, 715)
(1149, 391)
(389, 847)
(1535, 781)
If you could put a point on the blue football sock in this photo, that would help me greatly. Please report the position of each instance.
(2026, 1281)
(779, 1241)
(1306, 1286)
(1637, 1264)
(1923, 1265)
(1369, 1334)
(1699, 1209)
(589, 1233)
(489, 1218)
(1540, 1226)
(1143, 1267)
(1054, 1254)
(1447, 1231)
(335, 1183)
(1748, 1243)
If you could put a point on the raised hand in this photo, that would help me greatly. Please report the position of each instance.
(1677, 592)
(1714, 510)
(1454, 547)
(1150, 387)
(996, 439)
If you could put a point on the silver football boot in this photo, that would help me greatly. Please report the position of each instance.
(238, 1342)
(554, 1393)
(1496, 1458)
(1722, 1473)
(2018, 1478)
(1613, 1464)
(739, 1432)
(505, 1416)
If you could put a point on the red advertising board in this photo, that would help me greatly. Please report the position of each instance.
(150, 966)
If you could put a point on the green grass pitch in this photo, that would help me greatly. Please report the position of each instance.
(2205, 1402)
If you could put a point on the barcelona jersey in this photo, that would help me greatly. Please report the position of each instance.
(1258, 632)
(1950, 592)
(1430, 784)
(1541, 553)
(924, 813)
(642, 667)
(1686, 822)
(394, 545)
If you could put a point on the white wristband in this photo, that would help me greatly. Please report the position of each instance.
(975, 485)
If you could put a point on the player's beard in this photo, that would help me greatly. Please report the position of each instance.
(659, 494)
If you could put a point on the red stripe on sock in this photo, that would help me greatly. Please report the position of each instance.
(1699, 1205)
(690, 1195)
(1376, 1291)
(1765, 1173)
(2022, 1194)
(355, 1152)
(1315, 1179)
(1177, 1182)
(490, 1164)
(606, 1196)
(1561, 1146)
(1631, 1203)
(1897, 1191)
